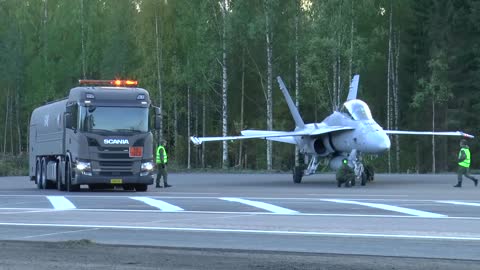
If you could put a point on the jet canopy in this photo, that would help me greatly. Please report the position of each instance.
(357, 109)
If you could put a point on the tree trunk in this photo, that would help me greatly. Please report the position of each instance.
(7, 110)
(242, 103)
(297, 73)
(189, 111)
(175, 123)
(158, 54)
(352, 29)
(82, 22)
(204, 124)
(396, 101)
(389, 77)
(269, 35)
(433, 137)
(224, 86)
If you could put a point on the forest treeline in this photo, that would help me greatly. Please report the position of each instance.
(211, 66)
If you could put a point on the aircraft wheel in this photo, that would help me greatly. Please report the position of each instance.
(297, 174)
(364, 179)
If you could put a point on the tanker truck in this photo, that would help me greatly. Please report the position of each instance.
(100, 136)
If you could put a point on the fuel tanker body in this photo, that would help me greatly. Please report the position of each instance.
(98, 136)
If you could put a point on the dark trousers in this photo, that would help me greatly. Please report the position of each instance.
(464, 171)
(161, 171)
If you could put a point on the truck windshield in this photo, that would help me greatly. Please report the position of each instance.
(113, 119)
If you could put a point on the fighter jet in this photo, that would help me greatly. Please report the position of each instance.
(347, 133)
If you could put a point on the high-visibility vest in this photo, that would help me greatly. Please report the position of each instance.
(465, 163)
(165, 158)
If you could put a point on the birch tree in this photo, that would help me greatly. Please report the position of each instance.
(269, 48)
(224, 6)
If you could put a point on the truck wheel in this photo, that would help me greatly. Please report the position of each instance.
(60, 186)
(297, 174)
(141, 187)
(46, 183)
(68, 178)
(38, 174)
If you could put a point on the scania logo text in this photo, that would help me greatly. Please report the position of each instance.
(115, 141)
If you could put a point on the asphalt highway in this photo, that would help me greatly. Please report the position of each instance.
(396, 216)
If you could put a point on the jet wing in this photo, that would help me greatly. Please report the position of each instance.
(280, 136)
(436, 133)
(250, 134)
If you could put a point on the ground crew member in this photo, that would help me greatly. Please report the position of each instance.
(161, 161)
(464, 164)
(345, 175)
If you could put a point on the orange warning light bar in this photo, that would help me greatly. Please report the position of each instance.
(129, 83)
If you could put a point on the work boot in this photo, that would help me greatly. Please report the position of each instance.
(458, 185)
(476, 182)
(167, 185)
(158, 186)
(339, 184)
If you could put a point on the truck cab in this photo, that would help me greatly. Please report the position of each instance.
(104, 140)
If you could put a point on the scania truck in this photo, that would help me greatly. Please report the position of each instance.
(99, 136)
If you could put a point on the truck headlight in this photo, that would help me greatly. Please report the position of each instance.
(147, 166)
(84, 167)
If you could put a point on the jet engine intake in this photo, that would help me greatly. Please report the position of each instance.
(319, 147)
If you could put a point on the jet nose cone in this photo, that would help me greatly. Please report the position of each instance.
(384, 143)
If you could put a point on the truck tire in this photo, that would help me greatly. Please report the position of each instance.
(47, 184)
(60, 176)
(38, 174)
(141, 187)
(68, 178)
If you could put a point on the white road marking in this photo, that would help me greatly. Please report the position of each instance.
(46, 210)
(57, 233)
(164, 206)
(390, 208)
(61, 203)
(460, 203)
(266, 206)
(274, 232)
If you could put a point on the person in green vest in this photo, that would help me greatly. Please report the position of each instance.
(345, 175)
(161, 161)
(464, 164)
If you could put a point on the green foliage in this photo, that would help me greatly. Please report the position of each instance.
(13, 165)
(46, 46)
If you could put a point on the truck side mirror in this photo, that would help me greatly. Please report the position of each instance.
(157, 121)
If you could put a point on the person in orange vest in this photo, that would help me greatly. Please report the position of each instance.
(464, 164)
(161, 161)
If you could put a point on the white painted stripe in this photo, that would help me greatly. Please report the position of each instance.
(275, 232)
(61, 203)
(164, 206)
(266, 206)
(40, 210)
(460, 203)
(390, 208)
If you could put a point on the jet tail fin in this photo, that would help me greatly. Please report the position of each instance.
(293, 109)
(352, 92)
